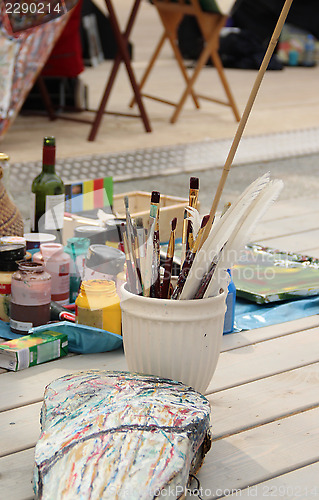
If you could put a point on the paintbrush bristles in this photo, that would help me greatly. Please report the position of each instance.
(194, 183)
(155, 198)
(174, 223)
(139, 222)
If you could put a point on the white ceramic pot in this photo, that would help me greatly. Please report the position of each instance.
(176, 339)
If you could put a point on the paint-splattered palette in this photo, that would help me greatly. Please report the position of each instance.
(264, 275)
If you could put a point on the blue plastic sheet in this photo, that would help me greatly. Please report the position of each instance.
(82, 339)
(249, 315)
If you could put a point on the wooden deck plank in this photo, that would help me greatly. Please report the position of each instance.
(248, 337)
(261, 454)
(24, 424)
(285, 226)
(270, 398)
(16, 476)
(289, 209)
(27, 386)
(269, 357)
(253, 362)
(238, 461)
(299, 242)
(299, 484)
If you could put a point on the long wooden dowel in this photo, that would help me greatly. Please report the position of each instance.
(245, 116)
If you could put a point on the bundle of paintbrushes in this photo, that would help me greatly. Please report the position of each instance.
(209, 247)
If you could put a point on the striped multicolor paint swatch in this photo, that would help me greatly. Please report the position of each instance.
(89, 195)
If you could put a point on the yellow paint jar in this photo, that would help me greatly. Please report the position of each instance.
(98, 305)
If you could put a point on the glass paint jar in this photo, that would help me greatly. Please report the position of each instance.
(104, 262)
(30, 297)
(98, 305)
(57, 264)
(77, 249)
(9, 257)
(34, 240)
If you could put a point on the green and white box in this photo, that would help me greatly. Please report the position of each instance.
(32, 350)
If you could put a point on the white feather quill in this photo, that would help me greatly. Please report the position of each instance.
(240, 236)
(195, 219)
(219, 235)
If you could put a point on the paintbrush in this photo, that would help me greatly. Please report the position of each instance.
(137, 260)
(140, 232)
(193, 200)
(220, 234)
(187, 264)
(151, 244)
(169, 262)
(156, 280)
(184, 237)
(130, 273)
(239, 237)
(129, 226)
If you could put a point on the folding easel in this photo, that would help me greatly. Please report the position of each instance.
(121, 56)
(210, 24)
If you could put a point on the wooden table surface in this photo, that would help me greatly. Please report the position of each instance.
(264, 397)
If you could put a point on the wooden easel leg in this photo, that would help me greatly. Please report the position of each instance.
(171, 21)
(46, 97)
(122, 55)
(150, 65)
(191, 82)
(220, 69)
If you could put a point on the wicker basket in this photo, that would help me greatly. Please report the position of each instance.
(11, 223)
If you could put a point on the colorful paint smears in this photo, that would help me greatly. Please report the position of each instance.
(21, 60)
(119, 435)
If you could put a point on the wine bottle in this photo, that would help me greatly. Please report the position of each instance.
(48, 195)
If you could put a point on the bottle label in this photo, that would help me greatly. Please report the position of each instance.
(90, 317)
(21, 326)
(32, 212)
(54, 211)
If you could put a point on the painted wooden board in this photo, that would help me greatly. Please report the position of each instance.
(260, 454)
(237, 461)
(269, 398)
(269, 357)
(299, 484)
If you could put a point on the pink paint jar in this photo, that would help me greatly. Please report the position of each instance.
(30, 297)
(57, 264)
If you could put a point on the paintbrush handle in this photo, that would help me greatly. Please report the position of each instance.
(246, 113)
(183, 274)
(155, 286)
(205, 281)
(167, 278)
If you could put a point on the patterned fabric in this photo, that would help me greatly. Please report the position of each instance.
(11, 223)
(21, 60)
(29, 14)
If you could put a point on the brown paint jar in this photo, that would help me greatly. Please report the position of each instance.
(30, 297)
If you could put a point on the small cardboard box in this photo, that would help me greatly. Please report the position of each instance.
(139, 204)
(32, 350)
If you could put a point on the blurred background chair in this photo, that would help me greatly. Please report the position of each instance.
(211, 19)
